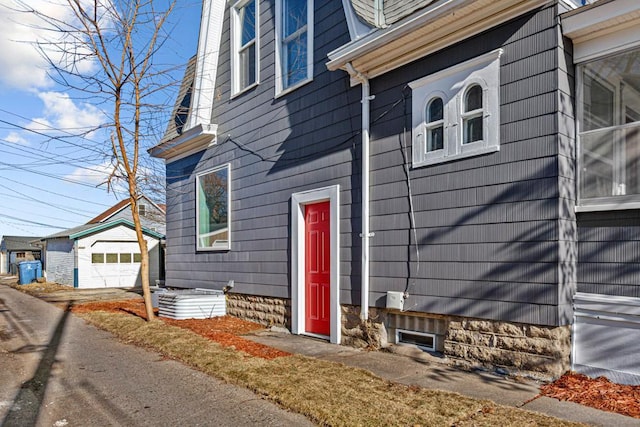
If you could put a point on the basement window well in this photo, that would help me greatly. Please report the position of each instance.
(421, 340)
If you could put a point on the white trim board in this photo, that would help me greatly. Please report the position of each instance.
(298, 202)
(602, 28)
(204, 83)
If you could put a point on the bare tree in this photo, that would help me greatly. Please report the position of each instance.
(105, 54)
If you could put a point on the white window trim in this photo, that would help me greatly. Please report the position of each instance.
(219, 248)
(451, 85)
(605, 203)
(236, 37)
(279, 86)
(436, 154)
(298, 203)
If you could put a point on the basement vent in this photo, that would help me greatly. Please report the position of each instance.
(419, 339)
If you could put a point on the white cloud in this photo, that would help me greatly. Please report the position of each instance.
(16, 138)
(40, 124)
(98, 175)
(23, 67)
(60, 112)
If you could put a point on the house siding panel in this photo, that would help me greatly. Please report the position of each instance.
(60, 261)
(491, 234)
(276, 147)
(608, 253)
(153, 218)
(489, 227)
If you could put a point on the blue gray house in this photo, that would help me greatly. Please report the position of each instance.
(460, 175)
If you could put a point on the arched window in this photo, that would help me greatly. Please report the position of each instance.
(472, 115)
(455, 112)
(435, 125)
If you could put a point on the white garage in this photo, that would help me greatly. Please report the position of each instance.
(114, 263)
(103, 255)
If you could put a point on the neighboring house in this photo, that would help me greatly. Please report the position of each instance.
(15, 249)
(449, 173)
(100, 255)
(152, 215)
(104, 252)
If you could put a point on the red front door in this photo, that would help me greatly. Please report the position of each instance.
(318, 268)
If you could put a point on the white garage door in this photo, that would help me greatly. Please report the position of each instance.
(115, 264)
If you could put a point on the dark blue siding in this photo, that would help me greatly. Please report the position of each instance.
(488, 228)
(276, 147)
(496, 233)
(609, 250)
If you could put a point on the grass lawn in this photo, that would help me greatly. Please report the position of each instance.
(328, 393)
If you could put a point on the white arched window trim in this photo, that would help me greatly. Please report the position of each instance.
(428, 126)
(452, 85)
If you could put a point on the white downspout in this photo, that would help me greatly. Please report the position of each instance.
(366, 234)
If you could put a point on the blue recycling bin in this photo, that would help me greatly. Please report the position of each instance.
(29, 271)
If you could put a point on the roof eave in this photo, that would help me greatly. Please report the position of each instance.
(424, 32)
(599, 18)
(107, 225)
(193, 140)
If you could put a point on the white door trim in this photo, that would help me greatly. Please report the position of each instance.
(298, 202)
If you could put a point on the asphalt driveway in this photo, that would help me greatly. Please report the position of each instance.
(56, 370)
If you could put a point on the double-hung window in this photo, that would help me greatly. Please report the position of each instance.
(609, 130)
(294, 43)
(456, 111)
(212, 209)
(245, 45)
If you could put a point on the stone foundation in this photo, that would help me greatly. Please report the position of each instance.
(539, 351)
(371, 334)
(267, 311)
(536, 351)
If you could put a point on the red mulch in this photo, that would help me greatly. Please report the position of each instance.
(224, 330)
(599, 393)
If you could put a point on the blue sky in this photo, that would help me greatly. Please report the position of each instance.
(49, 180)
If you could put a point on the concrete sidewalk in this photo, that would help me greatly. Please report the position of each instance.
(412, 366)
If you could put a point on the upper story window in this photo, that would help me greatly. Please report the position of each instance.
(294, 43)
(212, 209)
(456, 111)
(472, 115)
(244, 41)
(609, 130)
(435, 124)
(142, 210)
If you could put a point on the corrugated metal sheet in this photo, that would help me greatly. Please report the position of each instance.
(192, 304)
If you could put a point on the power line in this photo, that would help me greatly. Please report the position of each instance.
(41, 224)
(40, 214)
(57, 194)
(39, 156)
(33, 199)
(57, 138)
(49, 175)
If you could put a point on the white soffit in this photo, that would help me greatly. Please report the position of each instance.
(602, 28)
(195, 139)
(424, 32)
